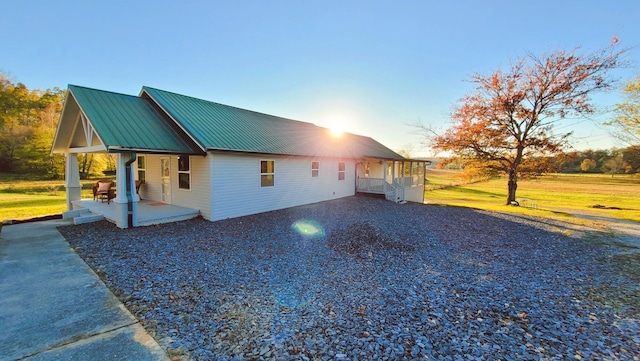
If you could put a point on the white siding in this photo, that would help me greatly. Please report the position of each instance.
(198, 197)
(151, 188)
(415, 194)
(237, 191)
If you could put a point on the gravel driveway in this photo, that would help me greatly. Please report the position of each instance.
(361, 278)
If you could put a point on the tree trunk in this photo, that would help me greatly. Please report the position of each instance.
(512, 185)
(513, 176)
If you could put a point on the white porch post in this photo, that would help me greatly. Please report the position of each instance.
(121, 201)
(396, 169)
(384, 176)
(72, 180)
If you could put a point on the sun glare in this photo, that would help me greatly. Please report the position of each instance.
(336, 130)
(338, 122)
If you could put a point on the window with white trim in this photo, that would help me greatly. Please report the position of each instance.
(267, 173)
(341, 171)
(184, 172)
(315, 169)
(142, 168)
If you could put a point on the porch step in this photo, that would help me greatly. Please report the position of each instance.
(81, 216)
(88, 218)
(75, 213)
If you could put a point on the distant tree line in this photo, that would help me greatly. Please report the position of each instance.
(28, 122)
(612, 161)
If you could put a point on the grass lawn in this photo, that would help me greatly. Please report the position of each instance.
(555, 196)
(24, 199)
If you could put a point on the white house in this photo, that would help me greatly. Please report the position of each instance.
(200, 157)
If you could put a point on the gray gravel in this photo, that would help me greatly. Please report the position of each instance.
(361, 278)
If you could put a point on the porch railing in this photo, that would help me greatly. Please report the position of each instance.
(394, 191)
(371, 185)
(377, 185)
(412, 181)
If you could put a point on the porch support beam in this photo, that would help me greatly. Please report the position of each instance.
(93, 149)
(72, 179)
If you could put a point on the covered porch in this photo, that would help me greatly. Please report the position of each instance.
(399, 180)
(149, 212)
(104, 122)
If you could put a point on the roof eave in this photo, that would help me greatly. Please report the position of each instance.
(121, 149)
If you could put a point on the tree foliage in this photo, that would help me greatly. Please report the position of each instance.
(627, 120)
(615, 165)
(406, 150)
(28, 119)
(588, 164)
(506, 123)
(631, 156)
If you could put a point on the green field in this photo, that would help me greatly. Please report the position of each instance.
(557, 196)
(24, 199)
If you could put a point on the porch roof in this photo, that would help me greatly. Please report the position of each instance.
(121, 123)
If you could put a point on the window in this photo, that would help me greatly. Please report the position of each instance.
(315, 169)
(142, 168)
(267, 173)
(341, 171)
(184, 172)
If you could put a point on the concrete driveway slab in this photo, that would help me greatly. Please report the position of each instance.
(53, 306)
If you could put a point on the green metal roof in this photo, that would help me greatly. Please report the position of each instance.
(158, 121)
(221, 127)
(128, 122)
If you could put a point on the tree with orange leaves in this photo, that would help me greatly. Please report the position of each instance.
(507, 122)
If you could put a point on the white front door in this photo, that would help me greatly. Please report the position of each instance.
(165, 168)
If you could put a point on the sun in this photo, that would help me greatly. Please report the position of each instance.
(336, 130)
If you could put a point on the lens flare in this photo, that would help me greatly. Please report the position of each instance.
(308, 228)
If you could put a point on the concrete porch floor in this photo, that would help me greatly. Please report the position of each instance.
(149, 212)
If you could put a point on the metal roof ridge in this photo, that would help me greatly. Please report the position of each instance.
(197, 142)
(251, 111)
(235, 107)
(69, 86)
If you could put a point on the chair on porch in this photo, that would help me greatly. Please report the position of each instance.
(138, 184)
(102, 190)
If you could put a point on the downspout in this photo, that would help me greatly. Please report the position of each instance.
(128, 191)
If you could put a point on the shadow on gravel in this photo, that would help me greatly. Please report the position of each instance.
(363, 278)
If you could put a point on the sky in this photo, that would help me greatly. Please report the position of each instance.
(372, 67)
